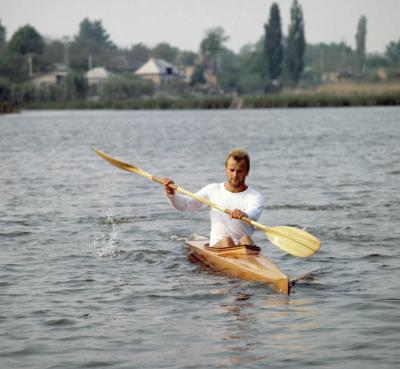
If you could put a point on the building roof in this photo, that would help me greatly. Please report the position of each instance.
(157, 66)
(98, 73)
(52, 77)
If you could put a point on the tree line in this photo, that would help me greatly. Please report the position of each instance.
(276, 61)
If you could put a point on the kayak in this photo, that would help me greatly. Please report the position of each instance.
(243, 262)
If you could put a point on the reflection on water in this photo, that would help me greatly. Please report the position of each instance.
(252, 336)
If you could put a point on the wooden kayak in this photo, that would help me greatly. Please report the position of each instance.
(240, 262)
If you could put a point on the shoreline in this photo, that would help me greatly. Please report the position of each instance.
(8, 108)
(226, 102)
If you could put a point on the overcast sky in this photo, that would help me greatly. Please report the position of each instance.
(183, 23)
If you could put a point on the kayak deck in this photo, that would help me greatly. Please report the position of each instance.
(242, 263)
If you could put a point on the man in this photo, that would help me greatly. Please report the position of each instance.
(226, 230)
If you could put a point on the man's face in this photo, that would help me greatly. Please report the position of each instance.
(236, 172)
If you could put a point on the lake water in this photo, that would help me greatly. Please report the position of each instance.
(93, 268)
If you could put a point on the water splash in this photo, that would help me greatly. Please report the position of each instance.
(178, 238)
(105, 242)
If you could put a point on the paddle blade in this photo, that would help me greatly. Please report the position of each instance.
(121, 164)
(294, 241)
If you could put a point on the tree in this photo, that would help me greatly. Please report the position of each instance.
(137, 55)
(393, 52)
(5, 90)
(3, 33)
(296, 44)
(211, 45)
(187, 58)
(165, 51)
(252, 68)
(54, 51)
(26, 40)
(360, 43)
(198, 76)
(13, 66)
(273, 45)
(92, 42)
(322, 58)
(228, 71)
(75, 87)
(94, 32)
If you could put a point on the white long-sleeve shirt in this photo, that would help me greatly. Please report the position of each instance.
(222, 225)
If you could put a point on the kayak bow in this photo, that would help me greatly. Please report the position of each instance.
(247, 264)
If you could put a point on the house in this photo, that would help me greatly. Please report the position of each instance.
(48, 78)
(158, 71)
(97, 75)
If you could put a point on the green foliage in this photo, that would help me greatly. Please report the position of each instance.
(75, 87)
(376, 61)
(393, 52)
(212, 44)
(5, 89)
(51, 93)
(228, 71)
(165, 51)
(93, 33)
(198, 75)
(125, 87)
(251, 66)
(13, 66)
(255, 69)
(137, 55)
(361, 36)
(323, 58)
(92, 40)
(23, 93)
(307, 100)
(26, 40)
(295, 44)
(273, 44)
(54, 52)
(187, 58)
(3, 33)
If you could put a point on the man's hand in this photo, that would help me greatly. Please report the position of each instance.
(237, 214)
(168, 183)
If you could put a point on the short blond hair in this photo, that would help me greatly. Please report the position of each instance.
(238, 155)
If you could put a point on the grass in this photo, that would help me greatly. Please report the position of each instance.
(328, 95)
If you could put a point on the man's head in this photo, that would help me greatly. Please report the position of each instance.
(237, 166)
(238, 155)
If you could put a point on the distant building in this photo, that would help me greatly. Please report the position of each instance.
(381, 74)
(48, 78)
(97, 75)
(330, 77)
(158, 71)
(188, 73)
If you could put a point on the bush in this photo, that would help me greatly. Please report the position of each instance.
(122, 88)
(5, 89)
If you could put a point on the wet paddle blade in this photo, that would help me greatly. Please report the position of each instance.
(294, 241)
(121, 164)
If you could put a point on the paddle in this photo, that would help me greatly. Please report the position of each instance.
(294, 241)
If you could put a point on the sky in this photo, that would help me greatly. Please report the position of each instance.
(183, 23)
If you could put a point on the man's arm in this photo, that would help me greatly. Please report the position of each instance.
(178, 201)
(255, 207)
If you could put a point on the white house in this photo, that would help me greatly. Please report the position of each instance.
(97, 75)
(159, 71)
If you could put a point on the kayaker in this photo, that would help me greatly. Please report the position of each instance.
(226, 230)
